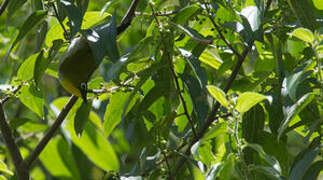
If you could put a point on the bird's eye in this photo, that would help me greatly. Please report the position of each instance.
(84, 86)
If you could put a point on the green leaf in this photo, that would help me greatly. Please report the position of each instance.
(293, 80)
(211, 58)
(314, 170)
(269, 159)
(251, 27)
(247, 100)
(198, 97)
(32, 97)
(92, 142)
(56, 32)
(114, 111)
(218, 94)
(4, 169)
(253, 122)
(304, 13)
(33, 20)
(195, 65)
(303, 34)
(41, 64)
(57, 159)
(184, 14)
(103, 41)
(293, 111)
(81, 117)
(33, 127)
(74, 14)
(218, 129)
(304, 159)
(26, 69)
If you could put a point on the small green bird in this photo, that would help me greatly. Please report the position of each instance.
(76, 67)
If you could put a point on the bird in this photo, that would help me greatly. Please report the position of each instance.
(76, 66)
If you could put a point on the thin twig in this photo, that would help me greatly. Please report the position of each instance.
(60, 22)
(50, 133)
(220, 32)
(11, 144)
(168, 13)
(182, 99)
(3, 6)
(6, 98)
(126, 20)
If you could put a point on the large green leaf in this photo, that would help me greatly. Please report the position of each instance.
(114, 111)
(102, 40)
(293, 80)
(293, 111)
(247, 100)
(198, 97)
(218, 94)
(303, 34)
(33, 20)
(56, 32)
(304, 159)
(92, 142)
(26, 69)
(74, 15)
(32, 97)
(57, 159)
(184, 14)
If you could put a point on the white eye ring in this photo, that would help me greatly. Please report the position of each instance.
(84, 86)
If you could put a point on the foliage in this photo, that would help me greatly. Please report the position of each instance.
(208, 89)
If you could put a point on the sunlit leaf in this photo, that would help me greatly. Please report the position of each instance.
(33, 20)
(32, 97)
(218, 94)
(303, 34)
(294, 110)
(114, 111)
(247, 100)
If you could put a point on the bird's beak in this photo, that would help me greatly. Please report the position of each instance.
(83, 91)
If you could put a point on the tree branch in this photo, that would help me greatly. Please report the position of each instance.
(220, 33)
(50, 133)
(10, 143)
(126, 20)
(6, 98)
(182, 100)
(3, 6)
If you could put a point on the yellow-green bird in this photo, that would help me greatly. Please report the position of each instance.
(76, 67)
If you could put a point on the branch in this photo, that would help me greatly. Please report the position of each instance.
(168, 13)
(126, 20)
(220, 33)
(6, 98)
(60, 22)
(211, 118)
(50, 133)
(11, 145)
(182, 99)
(3, 6)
